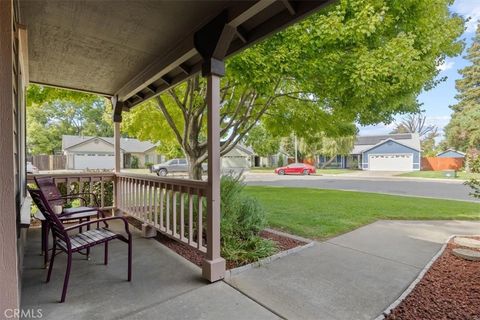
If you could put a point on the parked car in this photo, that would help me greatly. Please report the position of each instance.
(171, 166)
(31, 168)
(296, 168)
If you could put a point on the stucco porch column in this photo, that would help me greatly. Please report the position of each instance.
(214, 265)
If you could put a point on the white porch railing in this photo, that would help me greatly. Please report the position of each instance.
(102, 184)
(174, 207)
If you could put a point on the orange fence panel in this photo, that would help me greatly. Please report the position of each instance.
(439, 164)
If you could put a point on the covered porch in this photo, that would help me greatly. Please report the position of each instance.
(128, 52)
(164, 286)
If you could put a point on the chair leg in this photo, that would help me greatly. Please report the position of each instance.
(103, 216)
(50, 266)
(43, 237)
(130, 258)
(67, 276)
(45, 245)
(105, 256)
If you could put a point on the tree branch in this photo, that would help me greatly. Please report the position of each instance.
(168, 117)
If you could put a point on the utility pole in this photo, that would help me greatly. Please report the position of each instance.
(295, 142)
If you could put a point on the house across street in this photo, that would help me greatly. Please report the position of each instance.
(391, 152)
(85, 152)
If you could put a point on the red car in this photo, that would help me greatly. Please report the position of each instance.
(296, 168)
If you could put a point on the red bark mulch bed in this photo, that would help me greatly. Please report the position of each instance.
(449, 290)
(197, 257)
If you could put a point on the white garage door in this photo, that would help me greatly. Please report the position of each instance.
(390, 162)
(94, 161)
(234, 162)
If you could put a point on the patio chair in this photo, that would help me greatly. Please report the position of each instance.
(55, 197)
(81, 214)
(71, 244)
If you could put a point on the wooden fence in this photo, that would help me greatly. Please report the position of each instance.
(439, 164)
(48, 162)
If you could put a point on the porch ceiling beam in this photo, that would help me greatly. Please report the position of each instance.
(107, 95)
(228, 36)
(187, 50)
(289, 6)
(167, 80)
(168, 62)
(151, 88)
(237, 19)
(156, 90)
(278, 22)
(185, 69)
(118, 108)
(242, 34)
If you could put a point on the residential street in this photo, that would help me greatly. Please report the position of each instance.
(441, 189)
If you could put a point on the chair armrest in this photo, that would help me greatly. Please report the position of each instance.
(71, 196)
(95, 198)
(100, 220)
(79, 196)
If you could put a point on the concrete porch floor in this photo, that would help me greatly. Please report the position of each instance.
(164, 286)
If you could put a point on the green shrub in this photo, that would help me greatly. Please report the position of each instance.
(242, 219)
(474, 163)
(475, 185)
(134, 162)
(149, 165)
(280, 161)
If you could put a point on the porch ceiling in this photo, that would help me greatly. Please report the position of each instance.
(137, 49)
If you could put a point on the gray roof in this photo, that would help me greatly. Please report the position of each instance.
(451, 150)
(247, 149)
(363, 143)
(128, 145)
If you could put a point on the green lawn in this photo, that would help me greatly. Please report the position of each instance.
(320, 214)
(440, 175)
(319, 171)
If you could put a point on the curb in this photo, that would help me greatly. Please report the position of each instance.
(417, 279)
(235, 271)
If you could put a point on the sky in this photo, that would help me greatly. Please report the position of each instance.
(436, 101)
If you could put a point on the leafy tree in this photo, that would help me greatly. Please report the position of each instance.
(262, 142)
(463, 131)
(52, 113)
(357, 61)
(428, 143)
(332, 147)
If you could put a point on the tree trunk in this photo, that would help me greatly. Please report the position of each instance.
(329, 161)
(195, 169)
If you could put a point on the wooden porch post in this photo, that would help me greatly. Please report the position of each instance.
(117, 152)
(117, 119)
(214, 265)
(9, 273)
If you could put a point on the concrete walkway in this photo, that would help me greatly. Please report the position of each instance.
(353, 276)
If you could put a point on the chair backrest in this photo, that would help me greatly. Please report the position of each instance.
(50, 190)
(58, 230)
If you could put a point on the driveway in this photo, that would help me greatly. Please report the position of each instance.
(354, 276)
(441, 189)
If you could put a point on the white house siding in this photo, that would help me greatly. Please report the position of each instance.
(391, 156)
(93, 154)
(236, 160)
